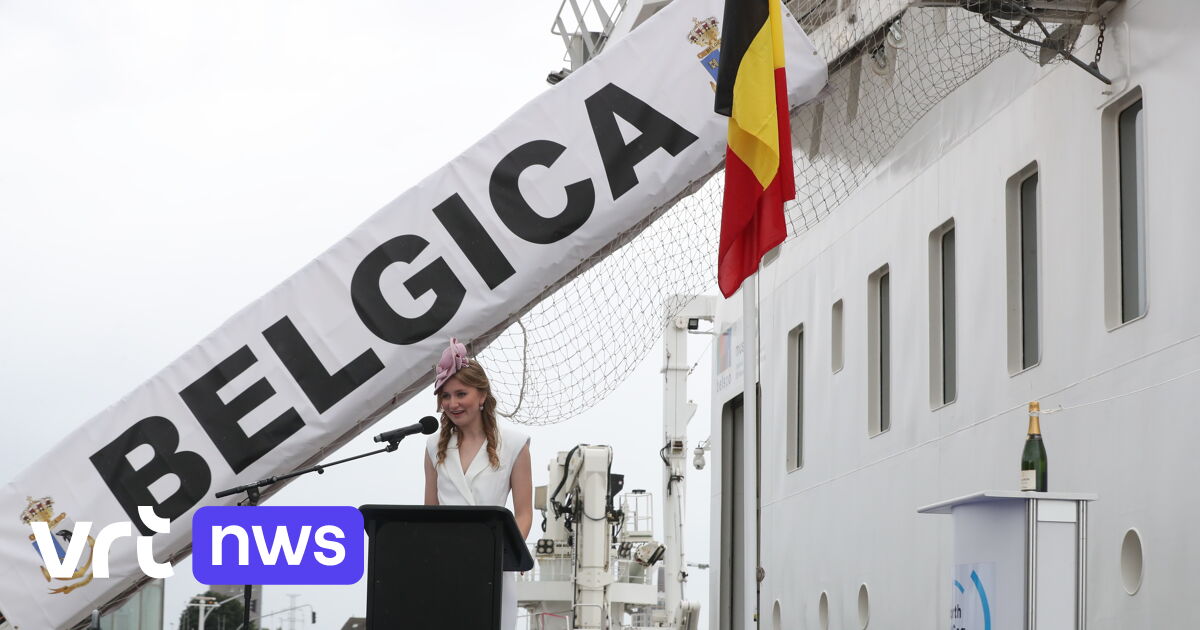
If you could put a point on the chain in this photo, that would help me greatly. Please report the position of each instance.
(1100, 40)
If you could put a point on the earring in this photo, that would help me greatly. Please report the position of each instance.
(481, 407)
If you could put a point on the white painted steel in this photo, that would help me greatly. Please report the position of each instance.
(677, 413)
(592, 571)
(748, 583)
(848, 517)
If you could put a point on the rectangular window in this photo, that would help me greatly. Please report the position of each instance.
(943, 317)
(949, 320)
(1133, 290)
(837, 361)
(733, 480)
(1125, 211)
(885, 352)
(1029, 272)
(879, 344)
(795, 426)
(1024, 322)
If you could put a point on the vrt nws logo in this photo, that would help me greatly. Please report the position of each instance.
(71, 558)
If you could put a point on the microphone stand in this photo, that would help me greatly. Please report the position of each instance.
(254, 494)
(251, 489)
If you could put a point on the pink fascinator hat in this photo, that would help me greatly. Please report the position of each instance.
(453, 359)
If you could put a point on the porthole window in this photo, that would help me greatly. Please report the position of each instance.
(864, 607)
(1131, 561)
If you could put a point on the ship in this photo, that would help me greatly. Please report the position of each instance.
(993, 210)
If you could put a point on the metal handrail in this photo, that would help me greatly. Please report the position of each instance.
(565, 573)
(593, 40)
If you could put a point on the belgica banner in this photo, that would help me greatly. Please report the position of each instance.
(357, 331)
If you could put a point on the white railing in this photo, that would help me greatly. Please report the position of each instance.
(626, 571)
(555, 568)
(585, 28)
(561, 568)
(638, 507)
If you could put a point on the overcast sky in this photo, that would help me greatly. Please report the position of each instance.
(162, 164)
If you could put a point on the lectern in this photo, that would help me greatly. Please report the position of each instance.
(1020, 560)
(438, 567)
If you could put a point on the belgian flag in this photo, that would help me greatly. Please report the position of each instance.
(752, 91)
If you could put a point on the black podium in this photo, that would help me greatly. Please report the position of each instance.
(438, 567)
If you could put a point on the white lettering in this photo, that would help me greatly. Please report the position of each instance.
(65, 568)
(145, 544)
(46, 545)
(281, 542)
(104, 541)
(243, 542)
(338, 549)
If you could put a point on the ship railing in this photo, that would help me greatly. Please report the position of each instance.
(585, 28)
(548, 573)
(560, 567)
(630, 572)
(557, 567)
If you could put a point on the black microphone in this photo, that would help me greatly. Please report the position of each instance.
(427, 425)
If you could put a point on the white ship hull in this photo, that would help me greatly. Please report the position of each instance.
(848, 516)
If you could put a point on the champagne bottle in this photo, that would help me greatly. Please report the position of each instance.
(1033, 458)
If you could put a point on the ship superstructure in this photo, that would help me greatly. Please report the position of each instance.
(993, 210)
(1029, 239)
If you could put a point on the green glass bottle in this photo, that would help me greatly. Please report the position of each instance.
(1033, 458)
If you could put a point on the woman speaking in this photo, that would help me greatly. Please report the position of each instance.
(472, 461)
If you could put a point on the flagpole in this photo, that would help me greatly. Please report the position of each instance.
(759, 179)
(750, 447)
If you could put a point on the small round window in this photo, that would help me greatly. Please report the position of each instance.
(1131, 561)
(864, 607)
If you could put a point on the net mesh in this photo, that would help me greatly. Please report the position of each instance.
(888, 67)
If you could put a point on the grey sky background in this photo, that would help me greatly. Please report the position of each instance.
(162, 164)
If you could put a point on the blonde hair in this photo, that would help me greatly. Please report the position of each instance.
(472, 375)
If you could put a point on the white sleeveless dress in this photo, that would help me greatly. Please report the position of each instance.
(481, 485)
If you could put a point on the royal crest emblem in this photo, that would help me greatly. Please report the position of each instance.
(706, 34)
(42, 510)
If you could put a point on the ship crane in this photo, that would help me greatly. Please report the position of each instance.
(593, 558)
(596, 557)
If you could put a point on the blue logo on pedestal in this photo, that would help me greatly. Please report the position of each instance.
(957, 621)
